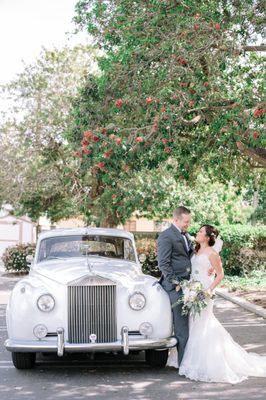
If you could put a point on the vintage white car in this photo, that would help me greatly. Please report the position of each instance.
(86, 293)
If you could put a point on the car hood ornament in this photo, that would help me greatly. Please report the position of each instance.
(84, 248)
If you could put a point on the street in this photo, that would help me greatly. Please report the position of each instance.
(120, 377)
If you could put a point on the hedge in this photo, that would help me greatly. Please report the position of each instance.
(244, 249)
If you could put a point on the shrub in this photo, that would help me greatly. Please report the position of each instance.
(148, 247)
(14, 257)
(244, 249)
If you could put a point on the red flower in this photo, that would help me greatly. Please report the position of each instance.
(258, 112)
(114, 196)
(196, 27)
(87, 134)
(119, 103)
(217, 26)
(148, 100)
(256, 135)
(95, 138)
(112, 136)
(163, 109)
(87, 151)
(191, 103)
(206, 84)
(77, 154)
(101, 165)
(84, 142)
(108, 153)
(164, 141)
(118, 140)
(139, 139)
(167, 150)
(182, 61)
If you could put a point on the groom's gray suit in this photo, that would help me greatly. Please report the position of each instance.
(174, 253)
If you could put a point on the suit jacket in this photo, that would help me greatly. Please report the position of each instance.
(173, 257)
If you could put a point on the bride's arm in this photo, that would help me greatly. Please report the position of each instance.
(216, 263)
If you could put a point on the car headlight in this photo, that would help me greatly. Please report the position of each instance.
(137, 301)
(46, 302)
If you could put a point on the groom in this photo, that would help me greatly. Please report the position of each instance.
(174, 252)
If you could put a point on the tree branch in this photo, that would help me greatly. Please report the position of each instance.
(258, 155)
(262, 47)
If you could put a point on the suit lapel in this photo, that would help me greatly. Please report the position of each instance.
(179, 234)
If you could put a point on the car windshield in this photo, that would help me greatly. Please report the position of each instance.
(80, 245)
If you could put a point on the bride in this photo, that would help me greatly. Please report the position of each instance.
(211, 354)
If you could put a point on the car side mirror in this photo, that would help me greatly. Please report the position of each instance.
(29, 258)
(142, 258)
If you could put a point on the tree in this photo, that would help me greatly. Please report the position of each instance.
(36, 162)
(178, 81)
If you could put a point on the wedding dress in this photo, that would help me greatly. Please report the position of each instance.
(211, 354)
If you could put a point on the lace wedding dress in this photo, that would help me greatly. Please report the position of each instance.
(211, 354)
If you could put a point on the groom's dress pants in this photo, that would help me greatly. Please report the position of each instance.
(181, 329)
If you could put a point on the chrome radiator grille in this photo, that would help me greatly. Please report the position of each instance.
(92, 310)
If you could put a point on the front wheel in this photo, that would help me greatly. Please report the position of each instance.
(156, 358)
(23, 360)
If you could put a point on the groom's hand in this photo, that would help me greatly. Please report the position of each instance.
(177, 288)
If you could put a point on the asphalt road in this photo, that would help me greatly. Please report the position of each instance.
(119, 377)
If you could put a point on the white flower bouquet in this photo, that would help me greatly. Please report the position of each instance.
(194, 298)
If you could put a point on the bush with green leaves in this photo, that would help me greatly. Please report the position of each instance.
(244, 249)
(14, 257)
(147, 246)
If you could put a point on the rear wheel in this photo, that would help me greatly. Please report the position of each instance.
(23, 360)
(156, 358)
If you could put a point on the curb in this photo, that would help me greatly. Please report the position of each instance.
(247, 305)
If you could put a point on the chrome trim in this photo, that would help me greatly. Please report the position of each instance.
(60, 342)
(125, 341)
(92, 310)
(59, 346)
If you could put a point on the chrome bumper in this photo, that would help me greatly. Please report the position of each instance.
(59, 346)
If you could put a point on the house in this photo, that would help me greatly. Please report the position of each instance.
(15, 230)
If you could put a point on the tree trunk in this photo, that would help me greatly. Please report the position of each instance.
(255, 201)
(110, 221)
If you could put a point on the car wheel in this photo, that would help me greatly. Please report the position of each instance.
(23, 360)
(156, 358)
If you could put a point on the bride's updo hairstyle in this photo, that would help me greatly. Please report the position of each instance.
(211, 232)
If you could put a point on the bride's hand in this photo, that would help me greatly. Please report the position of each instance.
(209, 292)
(211, 271)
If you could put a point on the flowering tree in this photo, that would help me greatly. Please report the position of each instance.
(178, 81)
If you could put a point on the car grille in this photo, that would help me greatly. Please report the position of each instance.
(92, 310)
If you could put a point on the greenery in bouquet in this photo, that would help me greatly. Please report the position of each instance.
(194, 298)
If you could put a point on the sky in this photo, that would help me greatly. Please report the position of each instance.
(28, 25)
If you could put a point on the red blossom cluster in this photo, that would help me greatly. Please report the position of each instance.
(258, 112)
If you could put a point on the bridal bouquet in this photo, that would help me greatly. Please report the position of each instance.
(194, 298)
